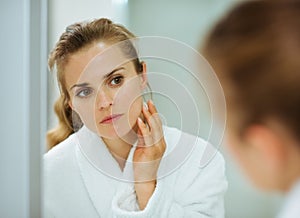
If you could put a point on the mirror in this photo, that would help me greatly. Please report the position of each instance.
(188, 23)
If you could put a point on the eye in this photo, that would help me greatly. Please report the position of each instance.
(84, 92)
(116, 81)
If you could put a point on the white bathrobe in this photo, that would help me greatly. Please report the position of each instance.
(291, 207)
(82, 179)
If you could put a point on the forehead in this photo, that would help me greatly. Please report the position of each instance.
(93, 62)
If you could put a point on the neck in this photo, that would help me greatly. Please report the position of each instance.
(291, 171)
(120, 147)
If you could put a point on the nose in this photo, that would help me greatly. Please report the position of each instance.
(104, 101)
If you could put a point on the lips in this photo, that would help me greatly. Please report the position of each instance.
(111, 118)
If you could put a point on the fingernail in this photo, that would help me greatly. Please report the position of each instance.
(145, 105)
(140, 120)
(145, 108)
(151, 101)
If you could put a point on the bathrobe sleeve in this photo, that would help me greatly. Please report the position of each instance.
(190, 192)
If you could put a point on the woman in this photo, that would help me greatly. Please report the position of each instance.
(88, 173)
(255, 51)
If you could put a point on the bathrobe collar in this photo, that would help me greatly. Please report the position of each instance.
(99, 170)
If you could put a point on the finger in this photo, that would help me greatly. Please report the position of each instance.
(151, 107)
(141, 141)
(154, 112)
(158, 133)
(155, 129)
(149, 118)
(144, 132)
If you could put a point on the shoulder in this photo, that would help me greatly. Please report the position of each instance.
(61, 150)
(196, 149)
(198, 157)
(60, 168)
(200, 175)
(61, 158)
(63, 185)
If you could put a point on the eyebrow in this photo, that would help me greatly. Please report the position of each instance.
(79, 85)
(105, 76)
(112, 72)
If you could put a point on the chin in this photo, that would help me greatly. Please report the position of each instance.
(109, 134)
(112, 132)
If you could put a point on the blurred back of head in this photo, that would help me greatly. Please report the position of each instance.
(255, 51)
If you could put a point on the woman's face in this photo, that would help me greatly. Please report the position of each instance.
(105, 90)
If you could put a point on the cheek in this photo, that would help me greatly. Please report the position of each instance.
(129, 96)
(85, 109)
(135, 110)
(129, 100)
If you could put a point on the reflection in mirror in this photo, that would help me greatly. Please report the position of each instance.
(111, 151)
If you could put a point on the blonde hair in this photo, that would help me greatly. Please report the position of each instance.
(76, 37)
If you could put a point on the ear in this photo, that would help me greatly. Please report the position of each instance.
(267, 143)
(144, 75)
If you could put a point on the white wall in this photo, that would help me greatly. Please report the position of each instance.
(188, 22)
(23, 123)
(14, 179)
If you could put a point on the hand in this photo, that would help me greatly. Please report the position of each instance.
(150, 149)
